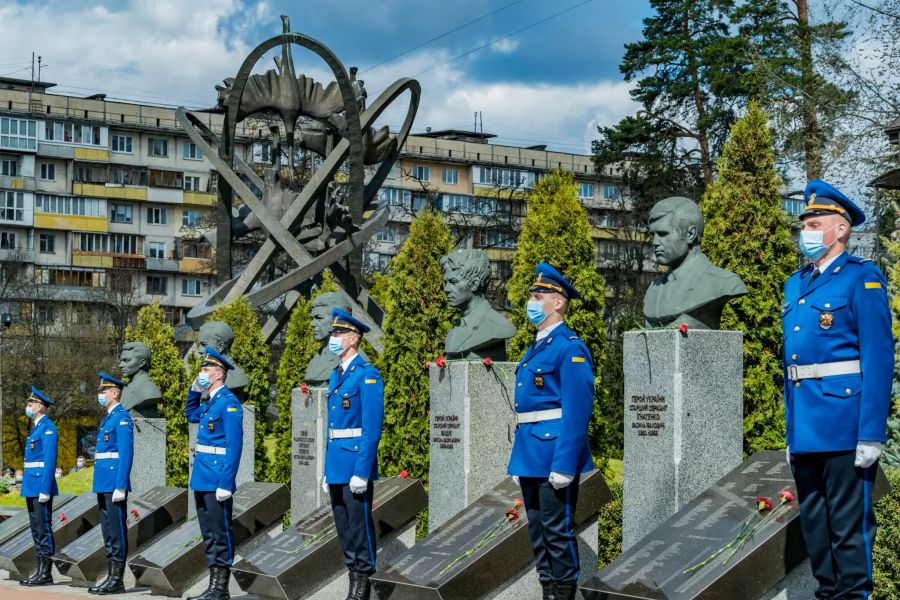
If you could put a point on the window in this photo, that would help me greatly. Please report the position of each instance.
(385, 234)
(586, 190)
(196, 249)
(48, 171)
(20, 134)
(47, 243)
(451, 176)
(191, 218)
(169, 179)
(157, 250)
(504, 177)
(610, 192)
(9, 167)
(395, 197)
(123, 243)
(156, 286)
(7, 240)
(46, 313)
(494, 239)
(191, 183)
(93, 242)
(421, 173)
(190, 287)
(419, 201)
(157, 147)
(190, 151)
(375, 261)
(73, 277)
(121, 213)
(157, 216)
(67, 205)
(12, 205)
(121, 143)
(86, 173)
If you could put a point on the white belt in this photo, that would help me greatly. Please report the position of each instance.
(537, 416)
(210, 449)
(341, 434)
(34, 465)
(844, 367)
(102, 455)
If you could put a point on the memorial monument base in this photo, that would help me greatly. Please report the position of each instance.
(309, 434)
(799, 584)
(683, 421)
(149, 441)
(472, 429)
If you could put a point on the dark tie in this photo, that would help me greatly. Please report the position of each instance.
(815, 274)
(340, 370)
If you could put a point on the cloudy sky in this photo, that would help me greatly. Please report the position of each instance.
(539, 71)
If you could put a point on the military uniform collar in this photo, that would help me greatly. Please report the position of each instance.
(830, 271)
(347, 363)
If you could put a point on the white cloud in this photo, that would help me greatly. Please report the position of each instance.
(505, 46)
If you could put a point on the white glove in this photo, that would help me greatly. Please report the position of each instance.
(560, 480)
(787, 456)
(42, 498)
(222, 495)
(118, 495)
(867, 453)
(195, 387)
(324, 485)
(516, 479)
(358, 485)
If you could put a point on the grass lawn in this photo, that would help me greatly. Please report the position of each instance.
(75, 484)
(613, 472)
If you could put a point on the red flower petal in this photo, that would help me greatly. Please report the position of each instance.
(786, 495)
(518, 502)
(487, 361)
(683, 328)
(304, 389)
(404, 474)
(440, 362)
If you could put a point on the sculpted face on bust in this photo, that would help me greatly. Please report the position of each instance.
(321, 322)
(215, 334)
(458, 288)
(670, 242)
(130, 363)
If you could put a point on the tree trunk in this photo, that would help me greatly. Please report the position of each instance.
(812, 149)
(702, 137)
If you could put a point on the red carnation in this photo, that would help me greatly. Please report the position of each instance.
(683, 328)
(62, 517)
(763, 503)
(304, 389)
(404, 474)
(518, 502)
(786, 496)
(440, 362)
(135, 514)
(487, 361)
(512, 515)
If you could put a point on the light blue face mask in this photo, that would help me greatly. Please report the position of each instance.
(535, 312)
(335, 345)
(29, 412)
(203, 380)
(812, 243)
(101, 399)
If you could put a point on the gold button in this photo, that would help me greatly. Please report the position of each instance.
(836, 269)
(796, 384)
(793, 357)
(796, 328)
(546, 435)
(520, 385)
(524, 364)
(539, 370)
(848, 390)
(802, 301)
(827, 305)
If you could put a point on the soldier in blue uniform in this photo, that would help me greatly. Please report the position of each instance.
(218, 454)
(355, 419)
(839, 363)
(39, 484)
(114, 455)
(553, 401)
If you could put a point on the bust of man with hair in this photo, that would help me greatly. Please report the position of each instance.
(319, 369)
(141, 397)
(480, 332)
(693, 290)
(219, 335)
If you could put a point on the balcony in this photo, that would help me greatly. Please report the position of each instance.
(198, 265)
(70, 222)
(91, 154)
(162, 264)
(17, 183)
(107, 260)
(200, 198)
(110, 190)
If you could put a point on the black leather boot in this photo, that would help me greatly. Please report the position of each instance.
(353, 586)
(116, 582)
(547, 590)
(565, 591)
(43, 575)
(96, 588)
(363, 587)
(205, 595)
(221, 577)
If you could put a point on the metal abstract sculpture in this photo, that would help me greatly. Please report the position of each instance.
(326, 223)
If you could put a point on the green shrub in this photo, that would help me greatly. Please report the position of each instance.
(886, 554)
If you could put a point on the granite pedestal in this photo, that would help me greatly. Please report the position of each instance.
(683, 421)
(149, 441)
(309, 437)
(246, 469)
(18, 522)
(472, 429)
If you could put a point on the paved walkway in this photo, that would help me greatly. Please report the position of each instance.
(11, 590)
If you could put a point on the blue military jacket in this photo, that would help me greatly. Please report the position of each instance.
(116, 434)
(220, 422)
(355, 401)
(40, 447)
(556, 372)
(843, 315)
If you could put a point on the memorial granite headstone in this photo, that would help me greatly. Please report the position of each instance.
(177, 560)
(148, 515)
(149, 440)
(699, 553)
(17, 522)
(309, 425)
(484, 551)
(306, 561)
(10, 511)
(70, 521)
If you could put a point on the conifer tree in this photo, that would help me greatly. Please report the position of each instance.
(417, 319)
(251, 352)
(747, 232)
(891, 454)
(168, 373)
(556, 230)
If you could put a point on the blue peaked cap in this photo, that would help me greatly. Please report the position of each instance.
(214, 359)
(108, 381)
(40, 396)
(825, 199)
(548, 279)
(344, 321)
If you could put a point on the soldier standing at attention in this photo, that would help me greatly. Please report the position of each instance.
(839, 364)
(112, 481)
(39, 484)
(553, 401)
(218, 454)
(355, 419)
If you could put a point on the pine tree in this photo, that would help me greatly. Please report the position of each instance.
(747, 232)
(556, 230)
(168, 373)
(250, 351)
(417, 319)
(891, 455)
(300, 346)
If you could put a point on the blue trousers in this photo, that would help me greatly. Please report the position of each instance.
(215, 519)
(39, 517)
(837, 517)
(354, 524)
(114, 526)
(551, 527)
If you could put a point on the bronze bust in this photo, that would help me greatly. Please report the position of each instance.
(141, 397)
